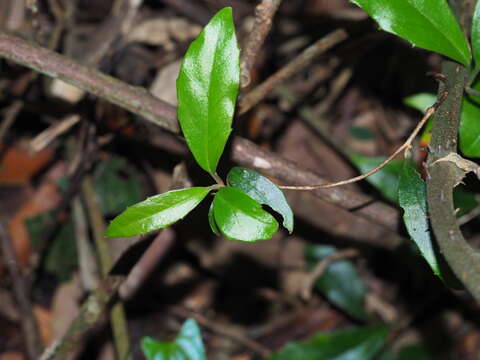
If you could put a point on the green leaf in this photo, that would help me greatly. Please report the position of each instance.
(412, 197)
(465, 201)
(212, 222)
(207, 89)
(156, 212)
(351, 344)
(429, 24)
(239, 217)
(385, 180)
(408, 352)
(470, 129)
(61, 259)
(421, 101)
(117, 185)
(262, 190)
(475, 36)
(340, 282)
(187, 345)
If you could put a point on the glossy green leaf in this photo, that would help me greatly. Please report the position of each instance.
(239, 217)
(263, 190)
(351, 344)
(429, 24)
(340, 282)
(187, 345)
(385, 180)
(212, 222)
(207, 88)
(156, 212)
(412, 197)
(465, 201)
(475, 36)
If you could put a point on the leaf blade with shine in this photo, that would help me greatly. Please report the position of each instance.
(475, 36)
(428, 24)
(412, 197)
(239, 217)
(263, 190)
(207, 88)
(156, 212)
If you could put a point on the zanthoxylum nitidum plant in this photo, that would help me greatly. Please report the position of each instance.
(207, 89)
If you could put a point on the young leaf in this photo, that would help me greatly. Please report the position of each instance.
(429, 24)
(187, 345)
(212, 222)
(475, 36)
(262, 190)
(385, 180)
(156, 212)
(355, 343)
(239, 217)
(207, 88)
(412, 197)
(340, 282)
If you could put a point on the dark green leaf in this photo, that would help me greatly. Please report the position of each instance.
(351, 344)
(429, 24)
(412, 197)
(61, 259)
(470, 129)
(340, 282)
(262, 190)
(207, 89)
(408, 352)
(239, 217)
(186, 346)
(156, 212)
(361, 133)
(212, 222)
(465, 201)
(385, 180)
(117, 185)
(475, 36)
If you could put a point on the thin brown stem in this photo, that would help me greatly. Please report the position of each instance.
(406, 145)
(264, 13)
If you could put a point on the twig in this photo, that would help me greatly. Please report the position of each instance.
(29, 324)
(299, 63)
(117, 312)
(43, 139)
(264, 13)
(89, 315)
(10, 115)
(223, 330)
(52, 64)
(406, 146)
(320, 268)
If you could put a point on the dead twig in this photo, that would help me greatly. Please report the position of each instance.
(264, 13)
(42, 140)
(29, 324)
(320, 268)
(299, 63)
(9, 118)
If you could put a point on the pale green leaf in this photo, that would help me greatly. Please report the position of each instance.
(156, 212)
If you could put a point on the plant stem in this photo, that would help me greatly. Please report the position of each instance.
(462, 258)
